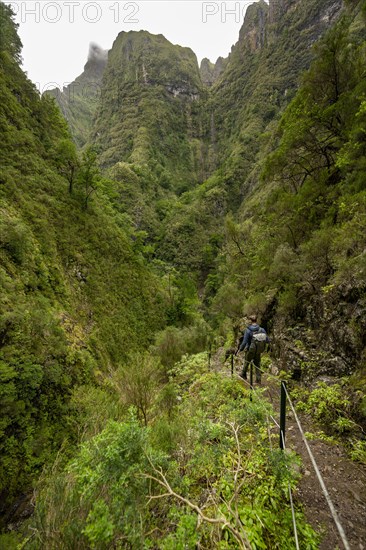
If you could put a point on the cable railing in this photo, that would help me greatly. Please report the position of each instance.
(284, 398)
(333, 511)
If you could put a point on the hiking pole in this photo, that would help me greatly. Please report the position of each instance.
(251, 379)
(283, 415)
(232, 365)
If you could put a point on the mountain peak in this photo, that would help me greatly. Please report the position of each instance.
(94, 67)
(140, 56)
(210, 72)
(253, 31)
(154, 83)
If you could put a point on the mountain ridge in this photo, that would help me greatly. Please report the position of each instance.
(262, 25)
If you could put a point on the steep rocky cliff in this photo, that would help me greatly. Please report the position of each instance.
(259, 80)
(149, 111)
(210, 72)
(262, 73)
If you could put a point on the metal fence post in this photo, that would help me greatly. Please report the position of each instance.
(283, 416)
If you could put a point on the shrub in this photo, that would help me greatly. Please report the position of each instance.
(172, 343)
(138, 384)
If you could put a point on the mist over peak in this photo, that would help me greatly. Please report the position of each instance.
(96, 53)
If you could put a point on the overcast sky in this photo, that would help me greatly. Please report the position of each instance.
(56, 34)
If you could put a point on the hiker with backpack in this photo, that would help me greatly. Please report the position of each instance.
(254, 344)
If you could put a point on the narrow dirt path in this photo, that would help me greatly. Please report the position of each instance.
(346, 484)
(344, 479)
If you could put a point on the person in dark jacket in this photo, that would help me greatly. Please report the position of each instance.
(252, 350)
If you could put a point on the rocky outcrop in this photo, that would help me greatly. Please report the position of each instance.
(210, 72)
(313, 18)
(278, 8)
(151, 59)
(253, 32)
(330, 340)
(150, 108)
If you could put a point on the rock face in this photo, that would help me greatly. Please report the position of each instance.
(149, 111)
(254, 30)
(151, 59)
(262, 72)
(330, 342)
(78, 101)
(210, 72)
(278, 8)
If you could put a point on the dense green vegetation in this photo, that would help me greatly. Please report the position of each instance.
(121, 262)
(296, 250)
(76, 295)
(307, 213)
(204, 471)
(339, 414)
(151, 98)
(259, 80)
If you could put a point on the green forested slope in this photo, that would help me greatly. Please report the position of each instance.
(301, 233)
(148, 113)
(262, 75)
(75, 296)
(259, 80)
(151, 129)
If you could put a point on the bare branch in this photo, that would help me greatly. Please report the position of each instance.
(161, 480)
